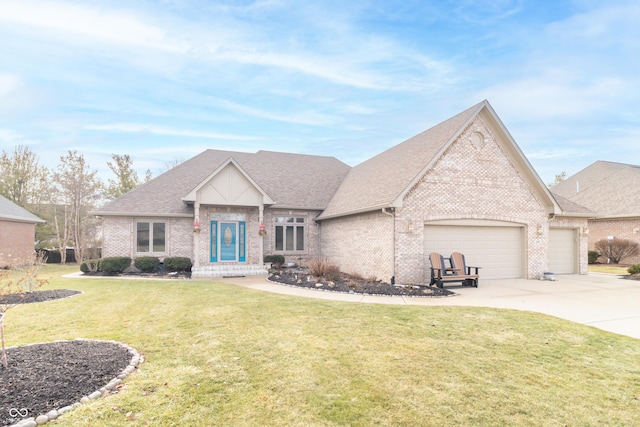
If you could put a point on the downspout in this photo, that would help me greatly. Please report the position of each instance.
(393, 243)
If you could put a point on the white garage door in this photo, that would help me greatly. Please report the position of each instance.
(498, 250)
(562, 251)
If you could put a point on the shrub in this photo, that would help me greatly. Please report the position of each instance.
(617, 249)
(146, 264)
(115, 264)
(322, 267)
(274, 259)
(593, 256)
(634, 269)
(177, 263)
(90, 266)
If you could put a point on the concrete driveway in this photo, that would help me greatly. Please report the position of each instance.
(604, 301)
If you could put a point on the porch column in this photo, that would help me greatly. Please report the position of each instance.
(261, 242)
(196, 235)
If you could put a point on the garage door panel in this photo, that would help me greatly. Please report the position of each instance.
(562, 251)
(498, 250)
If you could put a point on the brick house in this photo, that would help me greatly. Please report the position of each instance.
(612, 190)
(462, 185)
(17, 233)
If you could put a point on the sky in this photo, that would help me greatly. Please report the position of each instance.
(165, 80)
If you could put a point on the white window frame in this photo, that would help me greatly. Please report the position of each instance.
(150, 246)
(298, 226)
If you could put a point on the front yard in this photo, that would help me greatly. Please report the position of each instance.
(220, 355)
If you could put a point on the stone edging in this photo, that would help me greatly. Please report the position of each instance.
(136, 359)
(364, 294)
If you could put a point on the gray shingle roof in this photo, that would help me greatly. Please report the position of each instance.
(607, 188)
(379, 181)
(568, 207)
(293, 181)
(11, 211)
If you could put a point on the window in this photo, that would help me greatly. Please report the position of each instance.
(150, 236)
(290, 233)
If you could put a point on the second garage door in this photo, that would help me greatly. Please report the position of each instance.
(497, 249)
(562, 251)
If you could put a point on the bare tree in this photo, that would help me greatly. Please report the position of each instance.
(617, 249)
(77, 191)
(558, 179)
(172, 164)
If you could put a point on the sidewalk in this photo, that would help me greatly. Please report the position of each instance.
(604, 301)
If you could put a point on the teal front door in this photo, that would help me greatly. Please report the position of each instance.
(228, 242)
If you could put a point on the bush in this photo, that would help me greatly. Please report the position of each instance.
(617, 249)
(321, 267)
(634, 269)
(90, 266)
(274, 259)
(115, 264)
(177, 263)
(146, 264)
(593, 256)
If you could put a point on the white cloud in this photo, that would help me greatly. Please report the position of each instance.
(81, 22)
(165, 131)
(9, 83)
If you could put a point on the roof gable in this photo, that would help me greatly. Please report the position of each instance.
(229, 185)
(384, 180)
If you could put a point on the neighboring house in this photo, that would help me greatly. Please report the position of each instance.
(612, 190)
(463, 185)
(17, 234)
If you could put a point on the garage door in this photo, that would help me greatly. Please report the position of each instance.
(498, 250)
(562, 251)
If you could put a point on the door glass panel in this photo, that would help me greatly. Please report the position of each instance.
(228, 241)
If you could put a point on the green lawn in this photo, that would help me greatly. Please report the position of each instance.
(609, 268)
(220, 355)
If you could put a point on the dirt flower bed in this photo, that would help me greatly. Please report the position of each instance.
(50, 376)
(46, 377)
(355, 285)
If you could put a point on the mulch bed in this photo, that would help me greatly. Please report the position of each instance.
(37, 296)
(44, 377)
(352, 285)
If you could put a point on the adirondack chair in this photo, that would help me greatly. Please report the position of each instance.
(439, 270)
(441, 274)
(461, 268)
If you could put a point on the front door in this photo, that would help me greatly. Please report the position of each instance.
(228, 241)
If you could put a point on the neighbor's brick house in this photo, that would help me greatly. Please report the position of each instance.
(462, 185)
(613, 191)
(17, 234)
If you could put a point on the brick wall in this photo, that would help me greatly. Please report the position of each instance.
(471, 180)
(119, 237)
(360, 244)
(16, 242)
(620, 229)
(312, 239)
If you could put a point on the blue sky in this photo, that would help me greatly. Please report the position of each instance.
(164, 80)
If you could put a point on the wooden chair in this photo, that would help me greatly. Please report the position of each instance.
(439, 270)
(441, 274)
(460, 267)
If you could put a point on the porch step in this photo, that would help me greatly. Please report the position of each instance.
(228, 270)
